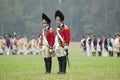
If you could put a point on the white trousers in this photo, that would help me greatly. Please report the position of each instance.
(1, 50)
(88, 51)
(14, 49)
(83, 51)
(32, 49)
(24, 50)
(104, 52)
(45, 52)
(59, 51)
(20, 50)
(8, 50)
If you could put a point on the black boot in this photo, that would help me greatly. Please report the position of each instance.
(49, 64)
(64, 64)
(60, 64)
(94, 53)
(118, 54)
(99, 53)
(111, 53)
(45, 60)
(1, 53)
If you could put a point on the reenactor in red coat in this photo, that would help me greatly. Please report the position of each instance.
(47, 42)
(62, 41)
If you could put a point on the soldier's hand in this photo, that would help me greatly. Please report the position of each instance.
(66, 47)
(58, 29)
(50, 50)
(66, 52)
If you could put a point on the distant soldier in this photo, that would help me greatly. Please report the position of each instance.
(24, 41)
(110, 45)
(99, 46)
(20, 45)
(28, 47)
(117, 44)
(47, 42)
(8, 44)
(83, 45)
(37, 46)
(62, 41)
(93, 45)
(3, 44)
(1, 47)
(33, 46)
(104, 46)
(14, 45)
(88, 42)
(40, 43)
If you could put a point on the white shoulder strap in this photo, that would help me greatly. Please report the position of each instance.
(44, 37)
(59, 36)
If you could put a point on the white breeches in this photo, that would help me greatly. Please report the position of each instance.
(88, 51)
(1, 50)
(104, 52)
(83, 51)
(59, 51)
(7, 50)
(98, 48)
(20, 50)
(93, 49)
(14, 48)
(33, 50)
(24, 50)
(45, 51)
(110, 48)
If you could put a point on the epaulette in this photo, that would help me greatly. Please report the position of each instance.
(66, 27)
(51, 30)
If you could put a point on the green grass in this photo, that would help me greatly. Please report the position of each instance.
(31, 67)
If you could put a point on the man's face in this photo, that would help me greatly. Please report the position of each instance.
(58, 21)
(44, 23)
(93, 37)
(88, 36)
(104, 37)
(109, 36)
(98, 37)
(117, 36)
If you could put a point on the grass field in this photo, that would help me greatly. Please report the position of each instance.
(31, 67)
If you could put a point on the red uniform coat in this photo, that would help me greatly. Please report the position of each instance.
(65, 34)
(50, 37)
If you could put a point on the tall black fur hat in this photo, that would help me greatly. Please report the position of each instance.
(45, 17)
(60, 14)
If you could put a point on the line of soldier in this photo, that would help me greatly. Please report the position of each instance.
(50, 43)
(107, 46)
(12, 44)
